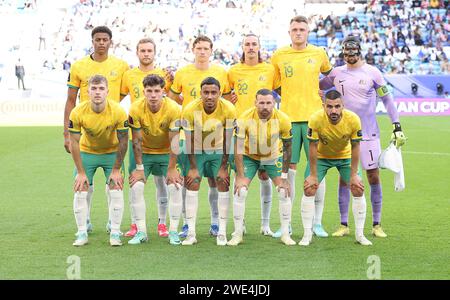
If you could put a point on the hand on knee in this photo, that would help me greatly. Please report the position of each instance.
(310, 191)
(357, 191)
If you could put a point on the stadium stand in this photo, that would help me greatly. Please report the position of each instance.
(399, 37)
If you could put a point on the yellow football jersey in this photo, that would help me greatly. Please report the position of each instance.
(263, 139)
(247, 80)
(98, 130)
(132, 82)
(188, 79)
(82, 70)
(297, 72)
(155, 127)
(195, 119)
(334, 140)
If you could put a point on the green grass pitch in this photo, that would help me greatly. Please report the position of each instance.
(38, 225)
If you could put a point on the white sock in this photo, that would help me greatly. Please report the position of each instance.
(285, 209)
(223, 204)
(80, 209)
(161, 195)
(239, 210)
(213, 198)
(116, 210)
(191, 210)
(89, 201)
(319, 202)
(138, 205)
(175, 206)
(183, 204)
(307, 207)
(291, 178)
(130, 202)
(108, 196)
(265, 192)
(359, 213)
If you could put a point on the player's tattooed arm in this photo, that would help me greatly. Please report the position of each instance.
(137, 146)
(123, 145)
(287, 153)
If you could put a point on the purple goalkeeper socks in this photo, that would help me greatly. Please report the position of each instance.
(344, 200)
(376, 198)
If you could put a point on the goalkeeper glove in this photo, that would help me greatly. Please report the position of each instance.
(398, 137)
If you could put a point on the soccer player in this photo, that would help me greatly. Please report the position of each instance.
(246, 78)
(98, 62)
(98, 139)
(132, 85)
(297, 69)
(186, 88)
(155, 123)
(334, 134)
(359, 84)
(208, 123)
(267, 135)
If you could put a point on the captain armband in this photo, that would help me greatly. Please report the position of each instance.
(382, 91)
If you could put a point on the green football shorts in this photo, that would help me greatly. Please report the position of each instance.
(251, 166)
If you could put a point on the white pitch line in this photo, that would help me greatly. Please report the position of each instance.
(427, 153)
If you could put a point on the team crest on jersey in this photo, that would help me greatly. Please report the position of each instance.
(311, 61)
(362, 82)
(262, 78)
(163, 125)
(344, 137)
(113, 73)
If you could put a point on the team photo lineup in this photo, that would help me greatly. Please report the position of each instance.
(281, 140)
(203, 121)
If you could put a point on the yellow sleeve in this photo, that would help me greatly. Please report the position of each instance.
(187, 120)
(240, 128)
(231, 79)
(125, 67)
(286, 129)
(133, 116)
(124, 90)
(226, 86)
(230, 117)
(122, 120)
(175, 122)
(176, 85)
(74, 122)
(313, 133)
(326, 65)
(167, 79)
(356, 132)
(277, 76)
(74, 81)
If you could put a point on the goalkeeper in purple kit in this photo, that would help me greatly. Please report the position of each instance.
(360, 83)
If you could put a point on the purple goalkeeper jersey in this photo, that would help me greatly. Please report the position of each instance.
(358, 88)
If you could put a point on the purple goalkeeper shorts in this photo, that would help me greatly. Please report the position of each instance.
(370, 151)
